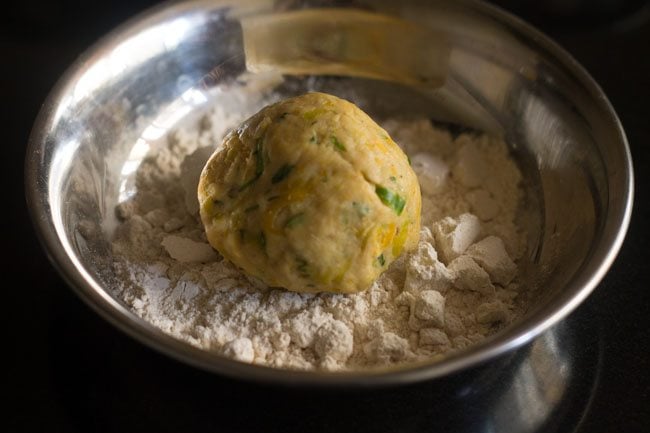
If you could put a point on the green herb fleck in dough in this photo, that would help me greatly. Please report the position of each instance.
(313, 139)
(247, 184)
(381, 260)
(302, 266)
(361, 208)
(311, 115)
(262, 241)
(393, 178)
(337, 144)
(295, 220)
(391, 199)
(259, 157)
(282, 173)
(259, 164)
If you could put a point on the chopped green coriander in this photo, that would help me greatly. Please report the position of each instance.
(337, 144)
(247, 184)
(408, 158)
(313, 139)
(262, 241)
(393, 178)
(312, 114)
(391, 199)
(259, 164)
(259, 157)
(381, 260)
(295, 220)
(361, 208)
(302, 266)
(282, 173)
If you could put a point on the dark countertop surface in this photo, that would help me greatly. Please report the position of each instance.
(70, 371)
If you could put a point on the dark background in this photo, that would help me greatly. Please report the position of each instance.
(70, 371)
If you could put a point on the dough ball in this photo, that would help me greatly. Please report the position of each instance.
(310, 194)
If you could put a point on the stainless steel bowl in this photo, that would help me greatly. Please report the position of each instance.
(502, 76)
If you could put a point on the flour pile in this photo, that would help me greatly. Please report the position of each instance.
(460, 285)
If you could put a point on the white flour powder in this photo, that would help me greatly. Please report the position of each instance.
(458, 287)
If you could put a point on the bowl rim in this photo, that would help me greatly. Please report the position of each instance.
(604, 252)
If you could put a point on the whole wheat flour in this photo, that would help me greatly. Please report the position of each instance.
(460, 285)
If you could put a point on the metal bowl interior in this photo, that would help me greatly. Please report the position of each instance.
(503, 77)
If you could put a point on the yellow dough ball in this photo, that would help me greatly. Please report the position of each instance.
(310, 194)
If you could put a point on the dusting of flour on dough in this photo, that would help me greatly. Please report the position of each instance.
(459, 286)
